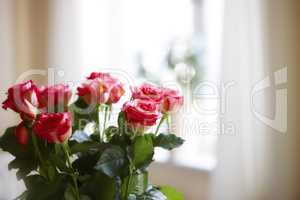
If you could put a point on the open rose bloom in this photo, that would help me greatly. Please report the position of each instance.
(23, 99)
(56, 96)
(141, 114)
(74, 151)
(101, 88)
(53, 127)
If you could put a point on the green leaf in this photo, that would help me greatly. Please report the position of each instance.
(99, 187)
(155, 194)
(143, 151)
(39, 188)
(85, 197)
(138, 183)
(152, 193)
(95, 136)
(24, 166)
(82, 114)
(86, 146)
(110, 132)
(70, 193)
(111, 161)
(25, 160)
(85, 163)
(171, 193)
(59, 162)
(168, 141)
(122, 141)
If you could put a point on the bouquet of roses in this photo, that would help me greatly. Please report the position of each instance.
(66, 150)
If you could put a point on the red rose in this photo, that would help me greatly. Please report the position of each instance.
(101, 88)
(53, 127)
(148, 92)
(23, 99)
(172, 100)
(22, 134)
(56, 95)
(141, 113)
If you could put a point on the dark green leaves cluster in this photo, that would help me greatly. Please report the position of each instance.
(24, 160)
(115, 169)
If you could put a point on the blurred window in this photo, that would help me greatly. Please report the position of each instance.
(136, 36)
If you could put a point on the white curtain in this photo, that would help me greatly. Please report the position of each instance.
(261, 160)
(35, 35)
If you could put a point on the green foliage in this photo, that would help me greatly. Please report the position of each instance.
(152, 193)
(70, 193)
(110, 170)
(24, 166)
(39, 188)
(142, 151)
(139, 182)
(122, 122)
(171, 193)
(85, 164)
(112, 161)
(110, 132)
(25, 160)
(82, 114)
(86, 146)
(99, 187)
(168, 141)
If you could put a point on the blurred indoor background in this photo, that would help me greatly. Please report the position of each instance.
(236, 62)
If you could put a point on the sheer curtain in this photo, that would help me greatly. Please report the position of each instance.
(261, 55)
(35, 35)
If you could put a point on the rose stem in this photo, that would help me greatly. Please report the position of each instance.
(128, 181)
(105, 120)
(37, 150)
(160, 122)
(169, 120)
(65, 148)
(98, 121)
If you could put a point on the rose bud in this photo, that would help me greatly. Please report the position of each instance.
(93, 91)
(100, 75)
(101, 88)
(22, 134)
(53, 127)
(116, 92)
(23, 99)
(148, 92)
(55, 96)
(172, 100)
(140, 113)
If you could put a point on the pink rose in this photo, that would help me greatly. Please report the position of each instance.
(148, 92)
(172, 100)
(56, 95)
(23, 99)
(141, 113)
(101, 88)
(100, 75)
(116, 92)
(53, 127)
(22, 134)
